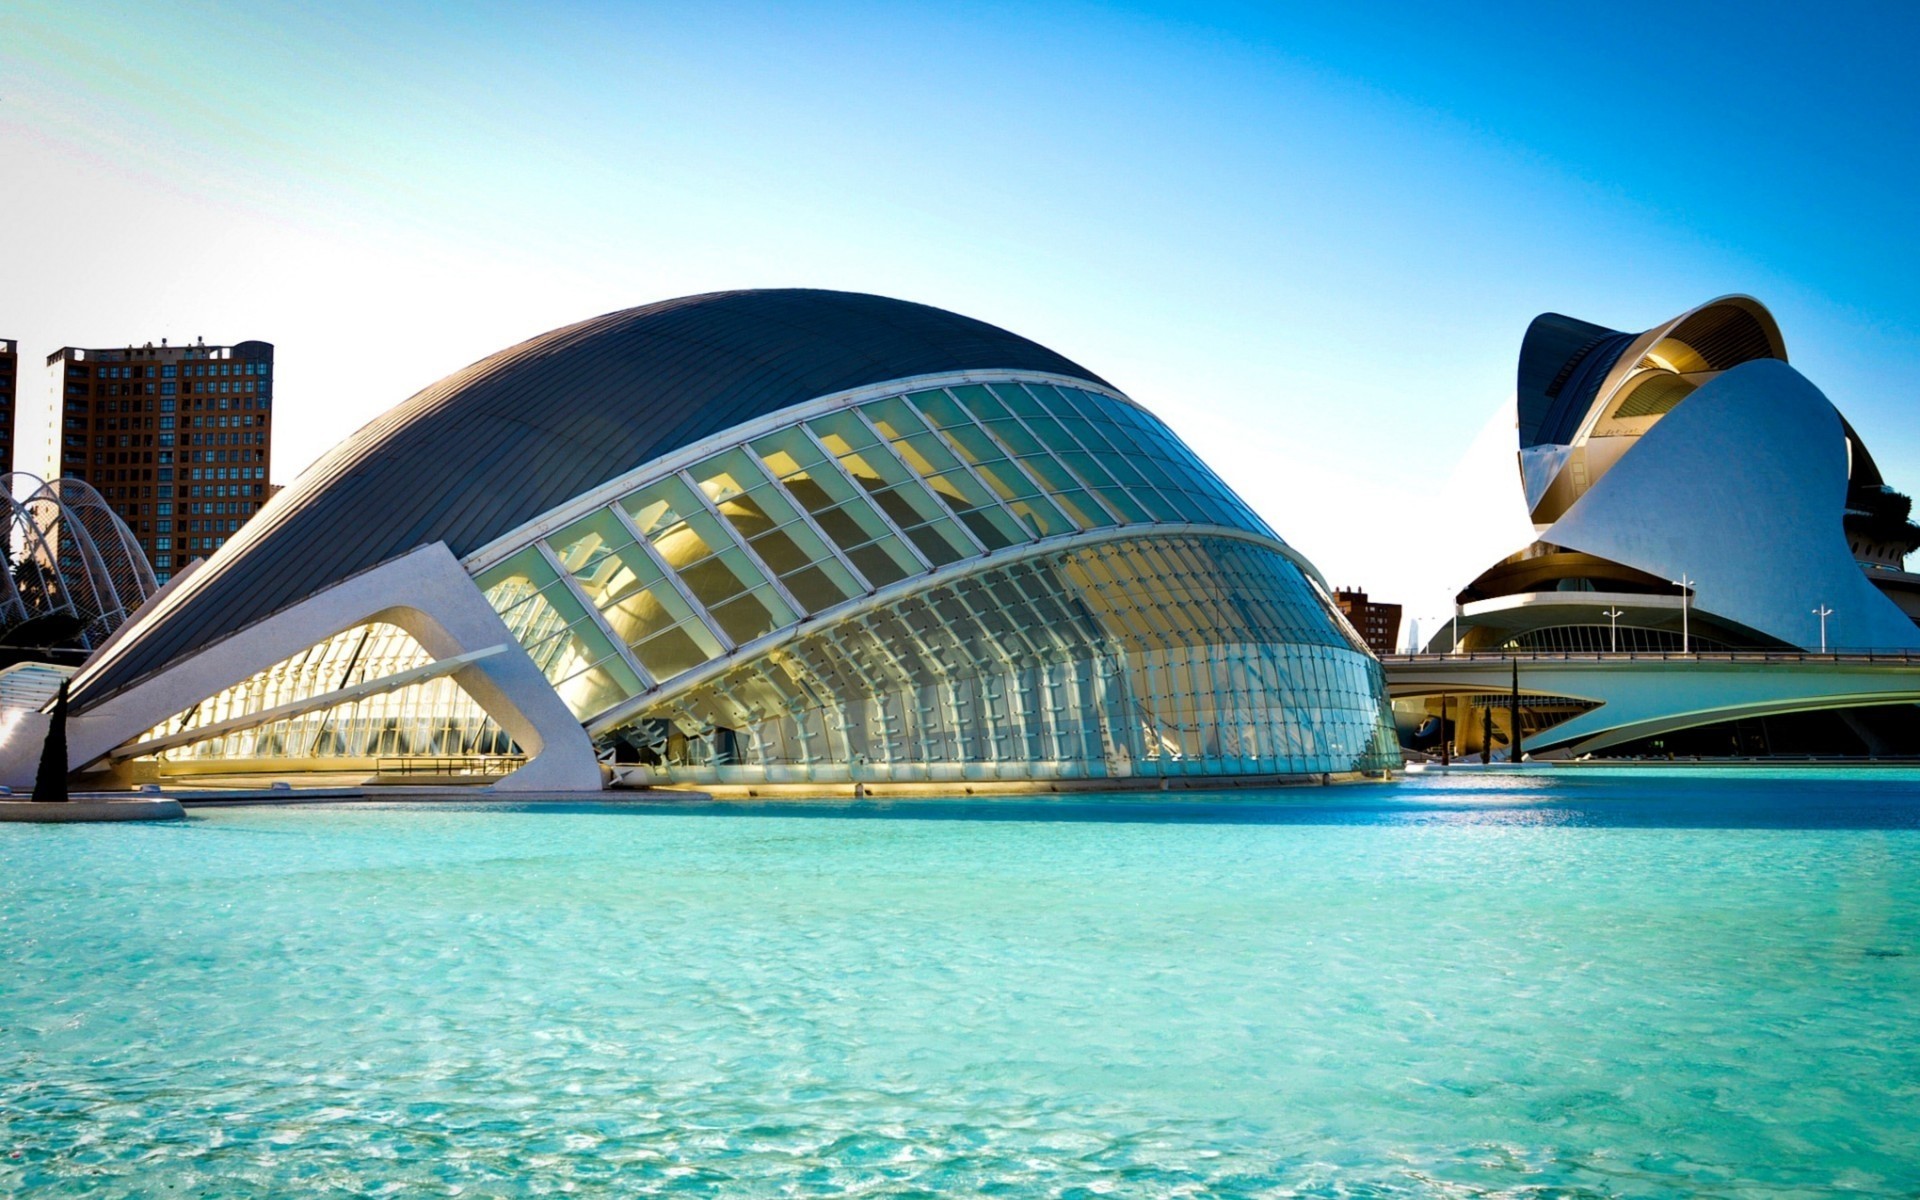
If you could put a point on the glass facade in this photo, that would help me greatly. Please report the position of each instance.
(431, 718)
(745, 544)
(1092, 603)
(1159, 653)
(1141, 658)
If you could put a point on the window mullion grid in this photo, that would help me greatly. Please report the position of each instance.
(1013, 460)
(995, 649)
(899, 534)
(1086, 487)
(1118, 483)
(1013, 457)
(921, 722)
(672, 577)
(579, 594)
(939, 506)
(806, 518)
(936, 664)
(798, 609)
(1230, 497)
(993, 494)
(835, 636)
(752, 722)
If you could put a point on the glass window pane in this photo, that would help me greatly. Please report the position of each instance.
(1083, 508)
(726, 474)
(1088, 469)
(1017, 438)
(858, 450)
(790, 456)
(562, 639)
(595, 689)
(1041, 516)
(937, 545)
(671, 653)
(974, 445)
(882, 563)
(580, 544)
(993, 529)
(745, 618)
(748, 516)
(661, 505)
(716, 579)
(853, 525)
(906, 509)
(736, 485)
(1017, 400)
(821, 587)
(1087, 434)
(681, 545)
(782, 554)
(935, 463)
(925, 525)
(981, 402)
(1129, 509)
(1052, 435)
(1008, 481)
(940, 409)
(1049, 398)
(1121, 467)
(604, 559)
(639, 615)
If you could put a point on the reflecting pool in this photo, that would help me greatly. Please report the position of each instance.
(1565, 984)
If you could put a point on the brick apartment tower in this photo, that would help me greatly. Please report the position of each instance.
(9, 391)
(1377, 624)
(178, 439)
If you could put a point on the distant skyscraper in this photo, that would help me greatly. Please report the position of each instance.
(9, 389)
(176, 438)
(1378, 624)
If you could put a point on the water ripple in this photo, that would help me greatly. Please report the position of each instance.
(1382, 1001)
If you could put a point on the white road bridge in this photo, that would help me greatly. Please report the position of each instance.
(1644, 695)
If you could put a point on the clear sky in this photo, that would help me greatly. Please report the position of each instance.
(1309, 236)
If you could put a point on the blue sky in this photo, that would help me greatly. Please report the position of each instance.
(1309, 236)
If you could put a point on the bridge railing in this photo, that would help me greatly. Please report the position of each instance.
(1836, 655)
(455, 764)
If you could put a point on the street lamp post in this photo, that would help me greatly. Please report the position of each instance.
(1823, 612)
(1685, 585)
(1613, 616)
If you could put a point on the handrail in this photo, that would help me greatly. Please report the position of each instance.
(1848, 655)
(467, 764)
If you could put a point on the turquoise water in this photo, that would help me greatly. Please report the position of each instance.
(1599, 984)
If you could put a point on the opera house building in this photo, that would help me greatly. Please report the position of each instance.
(1706, 520)
(748, 538)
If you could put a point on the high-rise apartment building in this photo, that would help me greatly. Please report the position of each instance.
(9, 392)
(178, 439)
(1377, 624)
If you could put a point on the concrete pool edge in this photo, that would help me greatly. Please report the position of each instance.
(86, 809)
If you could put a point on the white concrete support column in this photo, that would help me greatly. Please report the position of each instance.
(427, 593)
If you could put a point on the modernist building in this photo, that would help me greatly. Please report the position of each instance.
(9, 400)
(750, 538)
(178, 439)
(1691, 493)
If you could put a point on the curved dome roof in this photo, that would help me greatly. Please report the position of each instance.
(492, 446)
